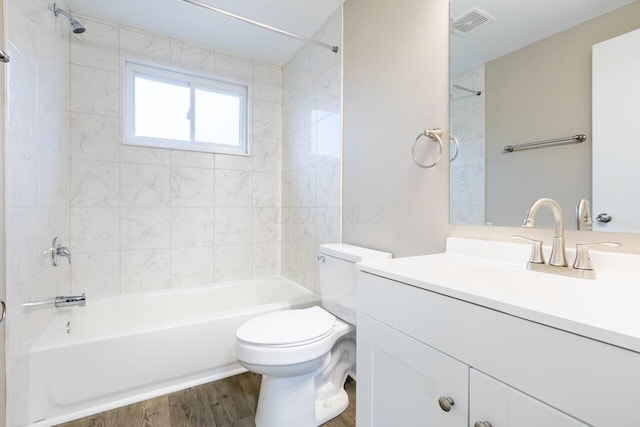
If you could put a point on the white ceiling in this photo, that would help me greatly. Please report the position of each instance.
(185, 21)
(518, 23)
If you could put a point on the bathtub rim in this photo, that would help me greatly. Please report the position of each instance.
(307, 298)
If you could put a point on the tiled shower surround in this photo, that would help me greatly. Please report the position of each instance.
(468, 169)
(138, 219)
(145, 218)
(311, 153)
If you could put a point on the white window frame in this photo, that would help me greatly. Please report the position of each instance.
(193, 81)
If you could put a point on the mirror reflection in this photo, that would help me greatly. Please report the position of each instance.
(522, 73)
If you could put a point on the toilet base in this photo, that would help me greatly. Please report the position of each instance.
(286, 402)
(331, 407)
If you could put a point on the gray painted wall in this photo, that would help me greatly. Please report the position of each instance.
(395, 85)
(543, 91)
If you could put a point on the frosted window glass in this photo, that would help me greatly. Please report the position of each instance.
(161, 110)
(217, 117)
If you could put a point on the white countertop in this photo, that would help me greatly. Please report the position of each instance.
(605, 309)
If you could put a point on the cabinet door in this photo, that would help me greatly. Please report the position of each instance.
(499, 405)
(400, 381)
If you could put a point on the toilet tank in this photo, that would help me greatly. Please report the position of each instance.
(338, 277)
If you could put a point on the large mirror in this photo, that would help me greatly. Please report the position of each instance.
(522, 73)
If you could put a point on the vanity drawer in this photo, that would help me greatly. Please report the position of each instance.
(592, 381)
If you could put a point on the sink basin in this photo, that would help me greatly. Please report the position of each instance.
(494, 275)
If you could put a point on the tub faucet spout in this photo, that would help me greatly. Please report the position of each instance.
(68, 301)
(558, 257)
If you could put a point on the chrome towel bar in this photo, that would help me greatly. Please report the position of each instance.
(570, 139)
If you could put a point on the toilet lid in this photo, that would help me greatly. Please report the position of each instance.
(287, 328)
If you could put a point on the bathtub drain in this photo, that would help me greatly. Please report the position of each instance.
(68, 328)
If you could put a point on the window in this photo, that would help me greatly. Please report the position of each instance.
(170, 109)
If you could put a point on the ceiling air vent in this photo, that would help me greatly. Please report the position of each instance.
(471, 21)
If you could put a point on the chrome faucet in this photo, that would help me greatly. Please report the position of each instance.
(558, 256)
(56, 250)
(582, 267)
(68, 301)
(584, 220)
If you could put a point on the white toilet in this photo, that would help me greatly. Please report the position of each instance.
(305, 355)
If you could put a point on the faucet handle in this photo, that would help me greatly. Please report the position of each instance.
(537, 257)
(582, 261)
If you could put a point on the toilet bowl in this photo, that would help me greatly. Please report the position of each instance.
(305, 355)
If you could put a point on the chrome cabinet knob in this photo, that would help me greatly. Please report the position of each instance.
(482, 424)
(445, 403)
(604, 217)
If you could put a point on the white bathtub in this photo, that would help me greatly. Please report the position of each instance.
(133, 347)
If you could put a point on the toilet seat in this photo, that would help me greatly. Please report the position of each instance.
(290, 337)
(289, 328)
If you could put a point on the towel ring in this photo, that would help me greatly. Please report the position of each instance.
(434, 135)
(455, 141)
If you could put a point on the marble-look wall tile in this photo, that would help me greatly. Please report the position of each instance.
(266, 119)
(305, 227)
(329, 138)
(94, 229)
(22, 254)
(467, 186)
(96, 274)
(37, 182)
(145, 270)
(267, 155)
(95, 183)
(145, 228)
(53, 85)
(145, 155)
(54, 130)
(327, 226)
(192, 159)
(307, 265)
(145, 185)
(192, 227)
(311, 155)
(234, 69)
(95, 137)
(192, 266)
(267, 225)
(329, 92)
(97, 47)
(233, 262)
(266, 259)
(53, 179)
(233, 189)
(267, 83)
(288, 261)
(328, 184)
(167, 208)
(240, 163)
(266, 190)
(95, 91)
(143, 46)
(233, 226)
(191, 58)
(287, 228)
(21, 162)
(192, 187)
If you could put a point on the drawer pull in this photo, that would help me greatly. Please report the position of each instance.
(482, 424)
(445, 403)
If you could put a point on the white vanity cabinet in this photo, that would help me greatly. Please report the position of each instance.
(400, 381)
(416, 345)
(495, 404)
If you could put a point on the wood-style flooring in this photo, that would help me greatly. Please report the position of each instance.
(230, 402)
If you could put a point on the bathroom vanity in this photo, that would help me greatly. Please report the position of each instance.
(471, 337)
